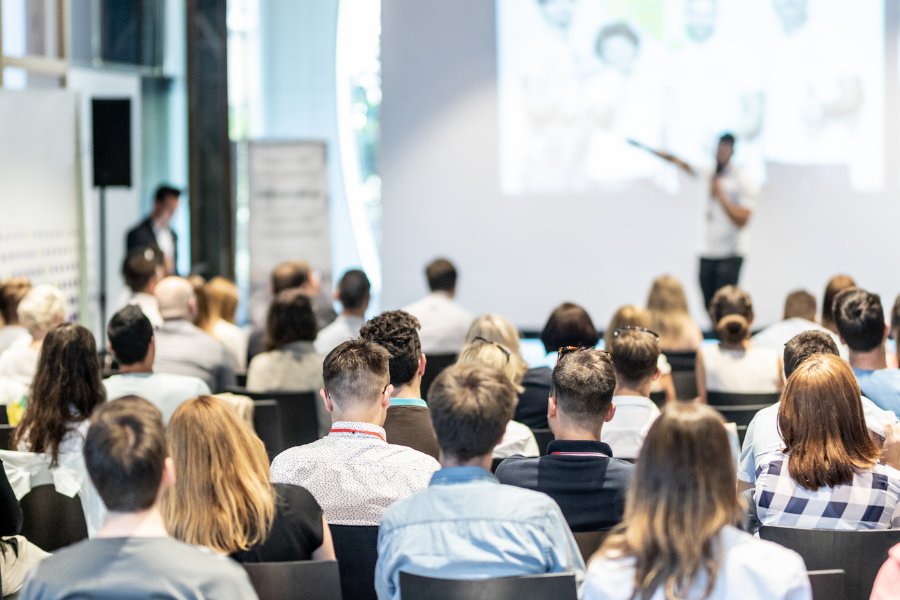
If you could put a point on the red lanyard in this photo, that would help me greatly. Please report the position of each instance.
(378, 435)
(580, 454)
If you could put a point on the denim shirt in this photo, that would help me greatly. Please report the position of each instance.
(467, 525)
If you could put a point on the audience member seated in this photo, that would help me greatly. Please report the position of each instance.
(466, 525)
(678, 538)
(222, 497)
(354, 473)
(635, 355)
(763, 437)
(518, 438)
(39, 311)
(635, 316)
(17, 554)
(735, 364)
(568, 325)
(495, 328)
(799, 316)
(888, 580)
(201, 316)
(836, 285)
(353, 294)
(408, 422)
(828, 475)
(444, 322)
(132, 557)
(860, 321)
(579, 472)
(11, 293)
(669, 316)
(182, 348)
(290, 362)
(222, 296)
(131, 343)
(142, 270)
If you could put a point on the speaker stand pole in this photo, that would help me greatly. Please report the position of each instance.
(102, 296)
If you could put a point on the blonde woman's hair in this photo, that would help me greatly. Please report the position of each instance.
(41, 308)
(627, 316)
(494, 328)
(492, 355)
(682, 494)
(222, 300)
(222, 497)
(668, 311)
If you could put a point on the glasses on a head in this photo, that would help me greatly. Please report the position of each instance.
(632, 328)
(503, 348)
(565, 351)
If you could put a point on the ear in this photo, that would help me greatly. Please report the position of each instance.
(657, 375)
(169, 471)
(552, 408)
(386, 398)
(421, 370)
(109, 345)
(610, 413)
(887, 330)
(329, 405)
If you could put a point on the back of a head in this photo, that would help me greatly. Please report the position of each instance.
(895, 318)
(164, 192)
(201, 300)
(354, 289)
(290, 319)
(125, 454)
(141, 266)
(496, 328)
(222, 299)
(470, 405)
(635, 354)
(822, 424)
(175, 295)
(397, 332)
(491, 354)
(731, 310)
(441, 275)
(356, 373)
(41, 308)
(569, 325)
(835, 286)
(222, 498)
(11, 293)
(804, 345)
(800, 305)
(859, 317)
(130, 333)
(288, 275)
(627, 316)
(667, 295)
(583, 383)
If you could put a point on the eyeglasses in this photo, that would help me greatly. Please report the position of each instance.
(503, 348)
(569, 349)
(632, 328)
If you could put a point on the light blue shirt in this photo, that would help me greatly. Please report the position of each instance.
(467, 525)
(882, 386)
(163, 390)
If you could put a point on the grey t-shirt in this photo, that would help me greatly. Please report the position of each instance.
(136, 569)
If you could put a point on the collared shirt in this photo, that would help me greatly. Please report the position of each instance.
(626, 432)
(182, 348)
(749, 569)
(763, 437)
(468, 526)
(581, 476)
(882, 386)
(776, 335)
(19, 363)
(355, 474)
(444, 323)
(12, 333)
(164, 390)
(408, 423)
(342, 329)
(870, 501)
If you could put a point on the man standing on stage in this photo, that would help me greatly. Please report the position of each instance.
(155, 231)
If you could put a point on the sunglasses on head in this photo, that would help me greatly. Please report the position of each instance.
(632, 328)
(503, 348)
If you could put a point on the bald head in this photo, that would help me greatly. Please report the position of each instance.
(176, 298)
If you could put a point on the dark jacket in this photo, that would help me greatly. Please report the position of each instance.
(142, 236)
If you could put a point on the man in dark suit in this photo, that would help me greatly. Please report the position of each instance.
(155, 230)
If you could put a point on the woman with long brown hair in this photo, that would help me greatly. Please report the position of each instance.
(829, 460)
(677, 539)
(669, 316)
(223, 498)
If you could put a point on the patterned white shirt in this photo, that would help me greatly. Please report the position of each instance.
(355, 474)
(868, 502)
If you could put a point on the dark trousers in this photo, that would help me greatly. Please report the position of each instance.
(716, 273)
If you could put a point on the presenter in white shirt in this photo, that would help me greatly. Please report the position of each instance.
(444, 322)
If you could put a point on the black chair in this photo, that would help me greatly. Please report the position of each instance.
(741, 408)
(685, 383)
(859, 553)
(682, 361)
(300, 580)
(828, 585)
(434, 364)
(52, 520)
(559, 586)
(241, 380)
(297, 417)
(6, 436)
(543, 437)
(659, 398)
(268, 426)
(356, 548)
(496, 463)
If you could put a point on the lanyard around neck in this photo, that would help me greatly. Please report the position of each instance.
(372, 433)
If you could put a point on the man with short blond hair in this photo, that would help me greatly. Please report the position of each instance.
(799, 316)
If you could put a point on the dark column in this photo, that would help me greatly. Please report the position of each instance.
(209, 149)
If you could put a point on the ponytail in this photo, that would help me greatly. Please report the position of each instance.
(733, 329)
(732, 311)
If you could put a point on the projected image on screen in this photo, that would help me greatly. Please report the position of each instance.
(798, 82)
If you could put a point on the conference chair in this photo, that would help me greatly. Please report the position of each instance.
(659, 398)
(268, 427)
(433, 367)
(6, 436)
(589, 542)
(543, 437)
(52, 520)
(295, 417)
(740, 408)
(297, 580)
(495, 463)
(356, 549)
(558, 586)
(828, 585)
(241, 380)
(859, 553)
(684, 365)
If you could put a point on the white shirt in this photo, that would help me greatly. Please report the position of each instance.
(355, 476)
(163, 390)
(518, 439)
(340, 330)
(749, 569)
(724, 238)
(149, 305)
(750, 371)
(444, 323)
(19, 363)
(235, 339)
(775, 336)
(626, 432)
(10, 334)
(164, 240)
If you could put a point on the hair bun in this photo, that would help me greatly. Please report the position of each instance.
(733, 328)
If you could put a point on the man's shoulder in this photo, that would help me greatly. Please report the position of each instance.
(409, 456)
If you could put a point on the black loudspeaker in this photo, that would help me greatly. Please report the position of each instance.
(112, 142)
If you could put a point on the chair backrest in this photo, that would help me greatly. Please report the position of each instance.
(589, 542)
(859, 553)
(241, 380)
(52, 520)
(299, 580)
(356, 548)
(742, 400)
(685, 383)
(828, 585)
(297, 415)
(433, 367)
(682, 361)
(543, 437)
(496, 463)
(558, 586)
(268, 426)
(6, 434)
(659, 398)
